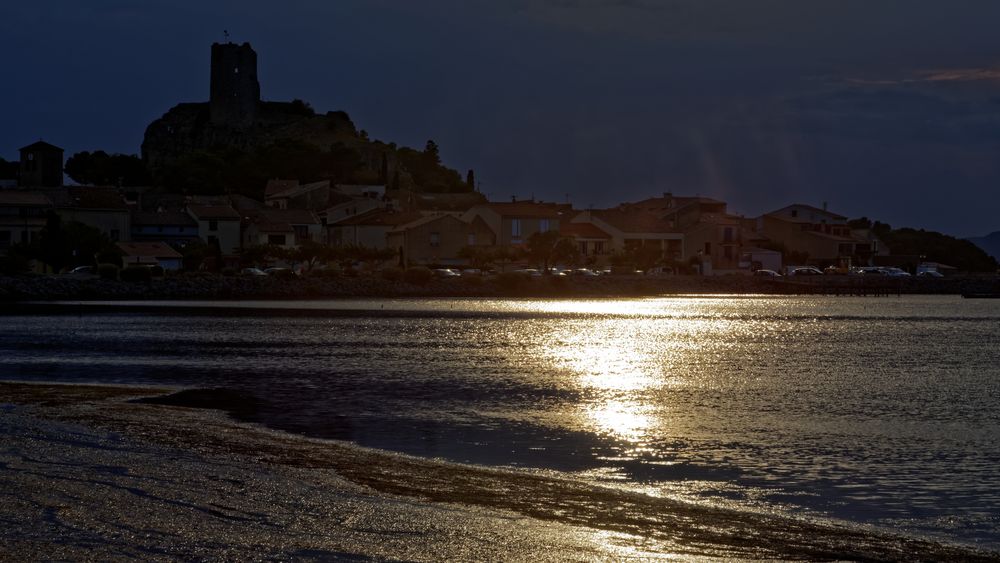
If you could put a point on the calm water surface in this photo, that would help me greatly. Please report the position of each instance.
(882, 411)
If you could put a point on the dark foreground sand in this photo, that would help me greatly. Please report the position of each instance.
(85, 474)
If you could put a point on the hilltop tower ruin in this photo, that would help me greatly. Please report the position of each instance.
(235, 91)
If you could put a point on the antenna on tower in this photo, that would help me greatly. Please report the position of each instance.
(225, 33)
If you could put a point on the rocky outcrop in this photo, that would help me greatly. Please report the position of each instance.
(188, 127)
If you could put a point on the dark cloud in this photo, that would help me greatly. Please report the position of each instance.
(876, 107)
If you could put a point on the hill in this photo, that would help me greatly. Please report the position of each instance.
(989, 243)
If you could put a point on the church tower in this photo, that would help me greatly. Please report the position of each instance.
(235, 91)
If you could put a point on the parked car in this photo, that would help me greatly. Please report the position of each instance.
(253, 272)
(83, 270)
(586, 272)
(445, 273)
(283, 273)
(897, 273)
(767, 274)
(473, 272)
(530, 272)
(806, 271)
(930, 274)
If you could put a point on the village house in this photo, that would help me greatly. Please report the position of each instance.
(287, 228)
(631, 227)
(102, 208)
(369, 229)
(592, 243)
(438, 238)
(172, 227)
(218, 225)
(150, 254)
(289, 194)
(512, 224)
(22, 217)
(821, 236)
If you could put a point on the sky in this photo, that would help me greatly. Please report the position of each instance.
(888, 109)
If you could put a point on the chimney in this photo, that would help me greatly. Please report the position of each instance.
(513, 199)
(824, 206)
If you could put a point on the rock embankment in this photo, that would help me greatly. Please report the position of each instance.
(210, 286)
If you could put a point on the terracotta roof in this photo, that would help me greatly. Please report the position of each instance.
(23, 198)
(289, 216)
(164, 218)
(423, 221)
(213, 212)
(777, 213)
(265, 227)
(148, 249)
(384, 217)
(629, 220)
(581, 230)
(298, 189)
(529, 208)
(276, 186)
(87, 197)
(663, 203)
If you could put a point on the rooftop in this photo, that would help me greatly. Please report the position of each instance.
(204, 212)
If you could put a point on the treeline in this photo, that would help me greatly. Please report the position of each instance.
(231, 170)
(931, 245)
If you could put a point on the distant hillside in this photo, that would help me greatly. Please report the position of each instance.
(933, 246)
(989, 243)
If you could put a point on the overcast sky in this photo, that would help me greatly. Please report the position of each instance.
(884, 108)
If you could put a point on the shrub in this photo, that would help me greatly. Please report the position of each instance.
(108, 271)
(392, 274)
(14, 264)
(136, 274)
(418, 275)
(229, 272)
(157, 271)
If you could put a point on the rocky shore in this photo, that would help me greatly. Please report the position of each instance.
(213, 286)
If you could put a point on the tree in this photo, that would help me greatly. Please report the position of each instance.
(8, 170)
(432, 153)
(541, 247)
(100, 168)
(566, 252)
(479, 257)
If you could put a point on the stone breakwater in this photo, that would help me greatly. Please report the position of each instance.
(209, 286)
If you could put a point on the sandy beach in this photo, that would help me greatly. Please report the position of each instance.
(89, 474)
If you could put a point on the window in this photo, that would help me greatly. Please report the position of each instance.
(727, 235)
(543, 225)
(435, 239)
(708, 249)
(471, 239)
(301, 232)
(583, 248)
(795, 213)
(276, 239)
(213, 225)
(599, 247)
(515, 228)
(24, 237)
(4, 239)
(727, 251)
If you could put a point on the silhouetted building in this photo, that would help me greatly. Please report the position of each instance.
(235, 91)
(41, 166)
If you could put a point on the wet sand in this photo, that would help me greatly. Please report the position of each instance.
(88, 473)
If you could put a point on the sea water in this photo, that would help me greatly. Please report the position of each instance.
(879, 411)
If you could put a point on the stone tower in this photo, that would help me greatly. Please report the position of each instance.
(235, 92)
(41, 166)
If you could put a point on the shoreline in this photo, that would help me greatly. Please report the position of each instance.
(200, 286)
(585, 521)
